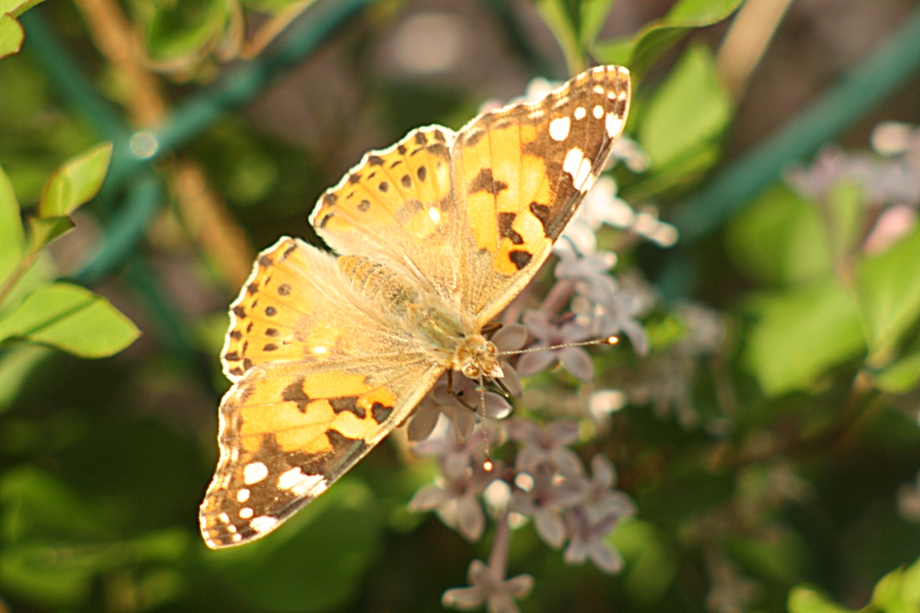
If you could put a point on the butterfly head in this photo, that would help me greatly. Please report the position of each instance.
(477, 357)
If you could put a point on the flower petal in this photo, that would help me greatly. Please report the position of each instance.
(532, 363)
(550, 527)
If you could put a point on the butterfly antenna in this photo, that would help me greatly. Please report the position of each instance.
(610, 340)
(487, 461)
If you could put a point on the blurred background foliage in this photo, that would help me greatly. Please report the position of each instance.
(149, 148)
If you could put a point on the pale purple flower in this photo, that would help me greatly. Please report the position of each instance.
(487, 581)
(490, 588)
(546, 445)
(455, 457)
(546, 500)
(576, 359)
(587, 540)
(589, 273)
(600, 498)
(599, 207)
(617, 313)
(456, 501)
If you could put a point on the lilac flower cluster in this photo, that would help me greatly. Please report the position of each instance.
(536, 476)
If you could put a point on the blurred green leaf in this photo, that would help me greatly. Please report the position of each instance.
(181, 30)
(593, 17)
(71, 318)
(651, 565)
(779, 238)
(847, 204)
(76, 182)
(17, 7)
(803, 599)
(888, 290)
(15, 366)
(556, 16)
(43, 230)
(12, 237)
(800, 333)
(900, 377)
(688, 113)
(314, 562)
(640, 52)
(11, 36)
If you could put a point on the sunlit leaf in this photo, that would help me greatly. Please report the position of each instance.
(43, 230)
(801, 333)
(11, 36)
(688, 112)
(71, 318)
(12, 237)
(803, 599)
(17, 7)
(75, 182)
(641, 51)
(889, 294)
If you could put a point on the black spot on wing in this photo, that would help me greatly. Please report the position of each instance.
(347, 403)
(520, 258)
(484, 181)
(504, 226)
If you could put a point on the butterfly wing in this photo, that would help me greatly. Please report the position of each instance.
(320, 377)
(518, 175)
(395, 207)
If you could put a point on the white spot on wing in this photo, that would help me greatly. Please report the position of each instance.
(254, 472)
(579, 167)
(598, 111)
(245, 513)
(598, 89)
(580, 112)
(434, 214)
(224, 518)
(263, 523)
(613, 125)
(237, 538)
(559, 128)
(242, 495)
(320, 350)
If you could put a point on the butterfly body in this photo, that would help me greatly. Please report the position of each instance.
(436, 235)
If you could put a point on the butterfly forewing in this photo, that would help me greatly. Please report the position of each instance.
(520, 173)
(338, 377)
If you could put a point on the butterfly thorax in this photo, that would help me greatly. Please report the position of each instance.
(455, 339)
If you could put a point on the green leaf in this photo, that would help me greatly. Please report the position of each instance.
(11, 36)
(76, 182)
(800, 333)
(779, 238)
(651, 565)
(15, 366)
(689, 112)
(71, 318)
(641, 51)
(900, 377)
(593, 17)
(12, 237)
(332, 542)
(803, 599)
(17, 7)
(180, 30)
(44, 230)
(888, 290)
(560, 24)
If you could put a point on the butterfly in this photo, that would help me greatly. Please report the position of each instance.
(435, 235)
